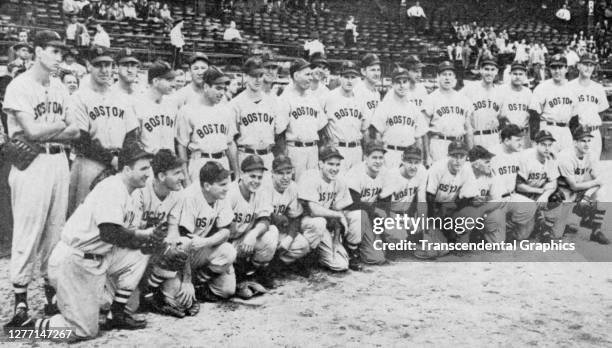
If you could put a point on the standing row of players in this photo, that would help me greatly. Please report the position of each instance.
(100, 121)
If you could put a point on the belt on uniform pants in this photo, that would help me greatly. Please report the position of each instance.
(86, 256)
(508, 194)
(302, 144)
(215, 155)
(348, 144)
(444, 137)
(486, 132)
(558, 124)
(397, 148)
(262, 152)
(51, 149)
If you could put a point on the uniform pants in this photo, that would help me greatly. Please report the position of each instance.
(438, 148)
(367, 252)
(487, 141)
(265, 246)
(303, 158)
(352, 157)
(521, 212)
(331, 251)
(39, 198)
(291, 248)
(125, 270)
(195, 164)
(82, 174)
(562, 135)
(596, 145)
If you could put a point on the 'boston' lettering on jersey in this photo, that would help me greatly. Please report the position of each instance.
(203, 222)
(303, 111)
(48, 107)
(243, 218)
(537, 176)
(346, 112)
(416, 102)
(101, 110)
(559, 101)
(484, 193)
(408, 191)
(370, 192)
(152, 216)
(486, 104)
(581, 171)
(503, 170)
(448, 188)
(588, 98)
(256, 117)
(327, 196)
(401, 120)
(517, 107)
(372, 104)
(280, 209)
(159, 120)
(450, 110)
(211, 128)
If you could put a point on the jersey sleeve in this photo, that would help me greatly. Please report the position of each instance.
(77, 111)
(420, 124)
(497, 189)
(378, 118)
(226, 214)
(602, 98)
(186, 213)
(294, 208)
(343, 198)
(433, 179)
(523, 170)
(537, 100)
(131, 120)
(183, 128)
(263, 203)
(566, 167)
(17, 99)
(552, 171)
(283, 108)
(322, 119)
(109, 205)
(307, 187)
(353, 179)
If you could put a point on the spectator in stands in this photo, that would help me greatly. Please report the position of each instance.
(115, 13)
(403, 8)
(314, 45)
(323, 8)
(180, 80)
(350, 32)
(129, 10)
(231, 33)
(537, 61)
(466, 53)
(15, 70)
(91, 10)
(165, 14)
(29, 20)
(571, 56)
(177, 40)
(564, 15)
(101, 38)
(154, 9)
(450, 50)
(23, 39)
(71, 30)
(23, 55)
(70, 64)
(73, 6)
(417, 16)
(70, 81)
(142, 9)
(102, 12)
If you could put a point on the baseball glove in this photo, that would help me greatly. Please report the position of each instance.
(109, 171)
(586, 206)
(335, 226)
(155, 242)
(249, 289)
(20, 152)
(173, 258)
(555, 199)
(280, 221)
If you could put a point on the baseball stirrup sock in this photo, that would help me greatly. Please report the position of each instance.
(49, 292)
(598, 217)
(121, 298)
(21, 294)
(42, 324)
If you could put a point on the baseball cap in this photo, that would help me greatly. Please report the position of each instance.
(45, 38)
(328, 152)
(297, 65)
(412, 152)
(544, 135)
(349, 68)
(479, 152)
(253, 66)
(131, 153)
(252, 162)
(446, 65)
(165, 160)
(489, 61)
(20, 45)
(268, 60)
(374, 145)
(399, 73)
(214, 76)
(369, 59)
(213, 172)
(126, 55)
(557, 60)
(198, 56)
(588, 58)
(510, 131)
(518, 66)
(99, 54)
(413, 62)
(70, 53)
(457, 147)
(160, 69)
(581, 132)
(318, 59)
(281, 162)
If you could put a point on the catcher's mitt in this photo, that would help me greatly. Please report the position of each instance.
(280, 221)
(20, 152)
(173, 258)
(109, 171)
(586, 206)
(555, 199)
(249, 289)
(335, 226)
(155, 242)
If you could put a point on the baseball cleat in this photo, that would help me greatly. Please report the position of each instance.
(599, 237)
(126, 321)
(21, 318)
(51, 309)
(160, 307)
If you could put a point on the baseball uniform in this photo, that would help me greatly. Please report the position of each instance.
(157, 123)
(417, 96)
(286, 203)
(515, 106)
(332, 195)
(371, 98)
(592, 100)
(301, 117)
(320, 94)
(485, 111)
(185, 95)
(555, 104)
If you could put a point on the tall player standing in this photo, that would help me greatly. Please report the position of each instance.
(198, 64)
(367, 90)
(516, 98)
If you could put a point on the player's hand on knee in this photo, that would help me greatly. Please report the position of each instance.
(186, 294)
(248, 245)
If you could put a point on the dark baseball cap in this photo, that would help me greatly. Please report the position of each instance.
(298, 65)
(198, 56)
(518, 66)
(510, 131)
(457, 147)
(399, 73)
(165, 160)
(46, 38)
(126, 55)
(369, 59)
(328, 152)
(70, 53)
(544, 135)
(20, 45)
(214, 76)
(349, 68)
(412, 152)
(489, 61)
(446, 65)
(589, 58)
(160, 69)
(581, 132)
(253, 66)
(213, 172)
(318, 59)
(252, 162)
(479, 152)
(281, 162)
(131, 153)
(558, 60)
(412, 62)
(268, 60)
(374, 145)
(99, 54)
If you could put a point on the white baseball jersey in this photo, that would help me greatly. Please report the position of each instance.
(196, 215)
(300, 116)
(255, 120)
(446, 185)
(185, 95)
(399, 121)
(370, 98)
(345, 115)
(515, 105)
(417, 96)
(151, 208)
(287, 203)
(506, 166)
(592, 100)
(320, 94)
(580, 169)
(556, 103)
(157, 123)
(42, 104)
(109, 202)
(358, 180)
(486, 187)
(448, 112)
(107, 116)
(485, 105)
(205, 128)
(246, 212)
(403, 189)
(534, 172)
(332, 195)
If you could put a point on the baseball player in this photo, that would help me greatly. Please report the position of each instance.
(251, 234)
(398, 121)
(448, 113)
(36, 108)
(345, 113)
(485, 99)
(537, 180)
(367, 90)
(106, 122)
(320, 72)
(515, 101)
(155, 112)
(206, 127)
(581, 181)
(300, 118)
(554, 104)
(416, 91)
(127, 68)
(292, 245)
(270, 75)
(592, 100)
(205, 218)
(325, 198)
(521, 209)
(254, 114)
(198, 64)
(90, 245)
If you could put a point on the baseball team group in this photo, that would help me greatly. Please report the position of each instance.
(178, 196)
